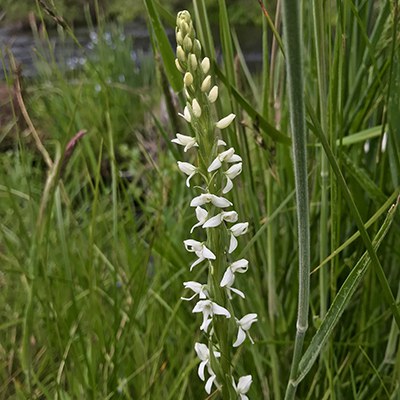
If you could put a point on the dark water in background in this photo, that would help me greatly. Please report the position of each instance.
(68, 55)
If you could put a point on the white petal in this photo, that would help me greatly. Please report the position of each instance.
(235, 158)
(240, 266)
(206, 323)
(189, 178)
(201, 306)
(244, 384)
(213, 221)
(239, 229)
(219, 310)
(232, 244)
(220, 202)
(230, 216)
(225, 122)
(234, 171)
(237, 291)
(209, 383)
(240, 337)
(186, 167)
(200, 371)
(221, 143)
(201, 214)
(228, 187)
(227, 154)
(228, 278)
(207, 253)
(214, 165)
(247, 321)
(192, 285)
(200, 200)
(202, 351)
(192, 245)
(197, 262)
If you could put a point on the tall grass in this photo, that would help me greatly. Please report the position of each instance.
(91, 255)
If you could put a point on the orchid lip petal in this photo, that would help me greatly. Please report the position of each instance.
(228, 278)
(228, 187)
(240, 338)
(232, 244)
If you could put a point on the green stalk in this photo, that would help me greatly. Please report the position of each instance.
(294, 63)
(319, 22)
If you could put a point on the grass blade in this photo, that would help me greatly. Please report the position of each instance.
(341, 300)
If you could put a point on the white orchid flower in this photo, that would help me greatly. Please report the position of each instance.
(227, 156)
(225, 122)
(240, 266)
(204, 198)
(237, 230)
(186, 141)
(228, 216)
(230, 174)
(209, 309)
(243, 386)
(201, 251)
(187, 169)
(201, 215)
(244, 325)
(199, 289)
(204, 355)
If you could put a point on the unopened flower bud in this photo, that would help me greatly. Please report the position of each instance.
(213, 95)
(206, 84)
(196, 108)
(205, 65)
(197, 48)
(179, 38)
(225, 122)
(178, 66)
(188, 79)
(180, 54)
(192, 60)
(184, 28)
(187, 44)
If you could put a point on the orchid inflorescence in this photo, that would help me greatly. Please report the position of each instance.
(217, 167)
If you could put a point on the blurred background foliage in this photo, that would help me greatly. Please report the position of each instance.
(117, 10)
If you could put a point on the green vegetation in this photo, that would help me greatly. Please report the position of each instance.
(91, 232)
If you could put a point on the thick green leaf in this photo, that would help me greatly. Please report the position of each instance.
(341, 301)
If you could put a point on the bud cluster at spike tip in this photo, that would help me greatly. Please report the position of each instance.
(212, 210)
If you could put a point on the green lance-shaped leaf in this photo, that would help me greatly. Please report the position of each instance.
(165, 48)
(341, 301)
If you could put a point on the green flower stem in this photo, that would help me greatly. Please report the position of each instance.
(294, 62)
